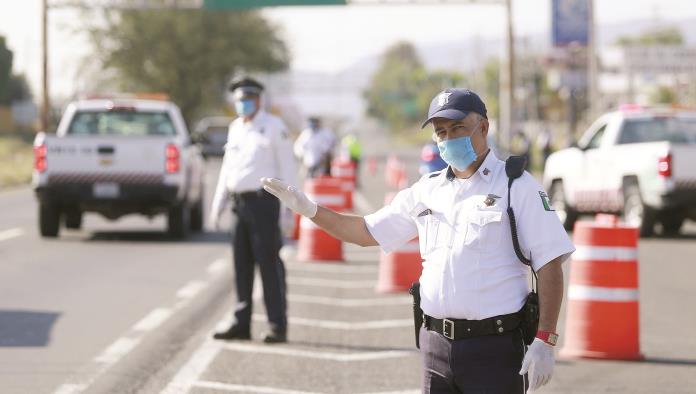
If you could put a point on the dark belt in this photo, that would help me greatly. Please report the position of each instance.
(455, 329)
(248, 195)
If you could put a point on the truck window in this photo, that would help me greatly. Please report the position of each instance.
(125, 123)
(596, 138)
(671, 129)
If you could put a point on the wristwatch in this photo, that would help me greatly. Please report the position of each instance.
(547, 336)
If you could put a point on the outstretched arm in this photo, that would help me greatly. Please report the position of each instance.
(346, 227)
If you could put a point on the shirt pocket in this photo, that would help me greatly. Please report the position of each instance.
(484, 228)
(428, 230)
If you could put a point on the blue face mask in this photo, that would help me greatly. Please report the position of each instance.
(458, 152)
(245, 107)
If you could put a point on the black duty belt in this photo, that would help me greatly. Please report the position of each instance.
(455, 329)
(247, 195)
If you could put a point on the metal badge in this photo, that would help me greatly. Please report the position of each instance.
(490, 199)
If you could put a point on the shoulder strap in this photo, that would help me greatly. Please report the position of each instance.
(514, 168)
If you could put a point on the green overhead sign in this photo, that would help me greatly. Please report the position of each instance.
(247, 4)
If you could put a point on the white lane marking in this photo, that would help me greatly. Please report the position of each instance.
(244, 388)
(363, 206)
(191, 289)
(342, 325)
(328, 267)
(605, 253)
(414, 391)
(348, 302)
(11, 233)
(130, 340)
(153, 319)
(340, 357)
(218, 266)
(595, 293)
(70, 389)
(333, 283)
(117, 350)
(190, 372)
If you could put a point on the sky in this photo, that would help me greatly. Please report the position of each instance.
(328, 38)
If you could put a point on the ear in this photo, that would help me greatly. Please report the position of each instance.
(484, 127)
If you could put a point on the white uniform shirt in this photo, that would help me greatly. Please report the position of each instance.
(470, 270)
(255, 149)
(311, 146)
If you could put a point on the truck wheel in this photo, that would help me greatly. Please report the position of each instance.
(197, 216)
(49, 220)
(567, 215)
(671, 224)
(178, 220)
(73, 220)
(637, 214)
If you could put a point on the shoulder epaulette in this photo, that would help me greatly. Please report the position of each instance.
(434, 174)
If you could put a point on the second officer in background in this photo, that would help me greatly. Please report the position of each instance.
(257, 146)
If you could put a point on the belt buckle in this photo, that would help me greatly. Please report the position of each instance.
(448, 332)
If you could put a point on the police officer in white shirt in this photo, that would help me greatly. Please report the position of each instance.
(314, 147)
(472, 285)
(257, 146)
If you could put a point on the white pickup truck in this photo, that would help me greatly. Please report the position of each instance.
(118, 157)
(637, 162)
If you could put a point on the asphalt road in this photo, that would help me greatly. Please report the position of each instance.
(119, 308)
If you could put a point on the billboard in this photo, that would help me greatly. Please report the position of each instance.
(570, 20)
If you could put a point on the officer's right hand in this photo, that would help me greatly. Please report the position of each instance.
(290, 196)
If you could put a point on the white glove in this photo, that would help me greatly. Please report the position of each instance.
(290, 196)
(539, 362)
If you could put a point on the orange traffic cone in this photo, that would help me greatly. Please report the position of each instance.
(400, 268)
(602, 314)
(344, 170)
(315, 244)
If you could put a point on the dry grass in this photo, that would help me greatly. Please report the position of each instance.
(16, 161)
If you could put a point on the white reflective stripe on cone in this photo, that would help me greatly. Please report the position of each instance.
(607, 253)
(307, 223)
(327, 199)
(594, 293)
(411, 246)
(347, 185)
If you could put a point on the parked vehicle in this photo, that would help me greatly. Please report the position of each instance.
(213, 130)
(637, 162)
(118, 157)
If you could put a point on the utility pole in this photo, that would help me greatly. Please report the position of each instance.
(45, 100)
(592, 66)
(506, 97)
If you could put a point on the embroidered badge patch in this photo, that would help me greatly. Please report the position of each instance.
(443, 98)
(545, 201)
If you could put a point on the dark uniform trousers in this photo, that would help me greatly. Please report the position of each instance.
(480, 365)
(257, 239)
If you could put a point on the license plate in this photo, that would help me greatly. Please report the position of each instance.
(106, 190)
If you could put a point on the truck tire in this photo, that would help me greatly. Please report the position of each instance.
(49, 220)
(73, 219)
(636, 213)
(566, 214)
(197, 216)
(178, 220)
(671, 223)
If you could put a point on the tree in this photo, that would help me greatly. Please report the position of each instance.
(189, 54)
(401, 90)
(664, 36)
(12, 87)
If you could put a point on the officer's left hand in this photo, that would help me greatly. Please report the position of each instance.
(539, 362)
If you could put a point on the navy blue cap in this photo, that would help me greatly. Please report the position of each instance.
(246, 87)
(455, 104)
